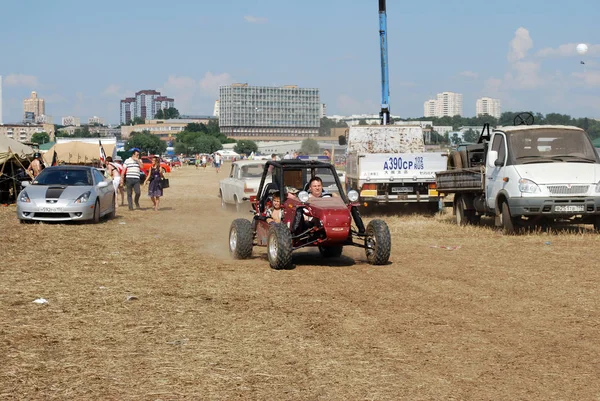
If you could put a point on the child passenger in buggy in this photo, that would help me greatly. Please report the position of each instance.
(275, 213)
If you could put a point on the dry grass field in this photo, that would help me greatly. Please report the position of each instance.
(149, 306)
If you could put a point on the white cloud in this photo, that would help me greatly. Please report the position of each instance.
(28, 81)
(210, 82)
(255, 20)
(519, 45)
(469, 74)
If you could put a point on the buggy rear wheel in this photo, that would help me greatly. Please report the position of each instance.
(279, 246)
(334, 251)
(378, 242)
(240, 239)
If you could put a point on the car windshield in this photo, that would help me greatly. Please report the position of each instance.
(64, 177)
(551, 145)
(252, 171)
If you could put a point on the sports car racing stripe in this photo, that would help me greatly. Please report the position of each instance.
(54, 192)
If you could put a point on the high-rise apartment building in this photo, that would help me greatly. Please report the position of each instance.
(445, 104)
(34, 105)
(145, 104)
(216, 109)
(487, 105)
(266, 111)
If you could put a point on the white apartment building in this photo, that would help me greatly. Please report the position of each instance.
(70, 120)
(445, 104)
(487, 105)
(95, 120)
(429, 108)
(216, 110)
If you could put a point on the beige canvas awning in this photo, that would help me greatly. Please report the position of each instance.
(10, 147)
(76, 152)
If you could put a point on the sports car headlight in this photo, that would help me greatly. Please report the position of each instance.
(24, 197)
(83, 198)
(528, 186)
(352, 195)
(303, 196)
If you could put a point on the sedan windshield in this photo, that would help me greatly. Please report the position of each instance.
(551, 145)
(64, 177)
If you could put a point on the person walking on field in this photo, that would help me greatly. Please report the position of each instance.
(114, 172)
(218, 161)
(153, 180)
(131, 177)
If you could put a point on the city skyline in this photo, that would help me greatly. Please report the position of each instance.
(522, 59)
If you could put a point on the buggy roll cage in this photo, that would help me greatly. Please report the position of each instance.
(281, 166)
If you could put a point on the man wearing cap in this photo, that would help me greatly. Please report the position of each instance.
(131, 177)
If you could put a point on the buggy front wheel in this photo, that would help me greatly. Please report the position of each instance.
(378, 242)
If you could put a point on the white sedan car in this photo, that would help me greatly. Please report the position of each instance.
(242, 182)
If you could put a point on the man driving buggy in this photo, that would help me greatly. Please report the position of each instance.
(315, 189)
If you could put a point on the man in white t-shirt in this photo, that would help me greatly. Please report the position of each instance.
(218, 161)
(131, 177)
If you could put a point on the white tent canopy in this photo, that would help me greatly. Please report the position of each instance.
(10, 147)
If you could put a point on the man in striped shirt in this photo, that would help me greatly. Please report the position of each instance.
(131, 177)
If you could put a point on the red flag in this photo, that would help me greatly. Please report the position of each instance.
(102, 154)
(54, 159)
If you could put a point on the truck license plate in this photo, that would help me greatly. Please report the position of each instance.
(402, 189)
(569, 208)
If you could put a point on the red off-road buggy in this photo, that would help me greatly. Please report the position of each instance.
(325, 222)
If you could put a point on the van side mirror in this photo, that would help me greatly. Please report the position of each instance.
(492, 158)
(342, 140)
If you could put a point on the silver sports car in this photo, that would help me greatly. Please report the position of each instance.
(63, 193)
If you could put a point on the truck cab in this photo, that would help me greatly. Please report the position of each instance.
(528, 175)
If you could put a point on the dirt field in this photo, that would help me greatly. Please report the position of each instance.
(149, 306)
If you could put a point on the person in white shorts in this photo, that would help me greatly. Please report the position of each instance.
(114, 171)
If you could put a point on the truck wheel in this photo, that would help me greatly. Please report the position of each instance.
(378, 242)
(334, 251)
(240, 239)
(279, 246)
(509, 223)
(597, 223)
(464, 158)
(464, 216)
(454, 161)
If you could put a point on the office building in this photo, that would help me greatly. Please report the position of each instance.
(70, 120)
(268, 112)
(33, 107)
(145, 104)
(487, 105)
(445, 104)
(216, 109)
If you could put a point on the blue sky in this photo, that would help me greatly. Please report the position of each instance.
(83, 56)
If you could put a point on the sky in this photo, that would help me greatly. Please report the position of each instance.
(82, 57)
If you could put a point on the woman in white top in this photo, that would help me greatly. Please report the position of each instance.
(114, 171)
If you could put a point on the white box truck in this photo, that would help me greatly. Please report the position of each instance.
(388, 165)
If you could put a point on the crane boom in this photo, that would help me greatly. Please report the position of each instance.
(385, 79)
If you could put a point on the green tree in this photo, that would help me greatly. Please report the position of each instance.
(40, 137)
(196, 127)
(206, 144)
(167, 114)
(82, 133)
(138, 120)
(181, 147)
(245, 146)
(146, 142)
(470, 136)
(362, 121)
(310, 146)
